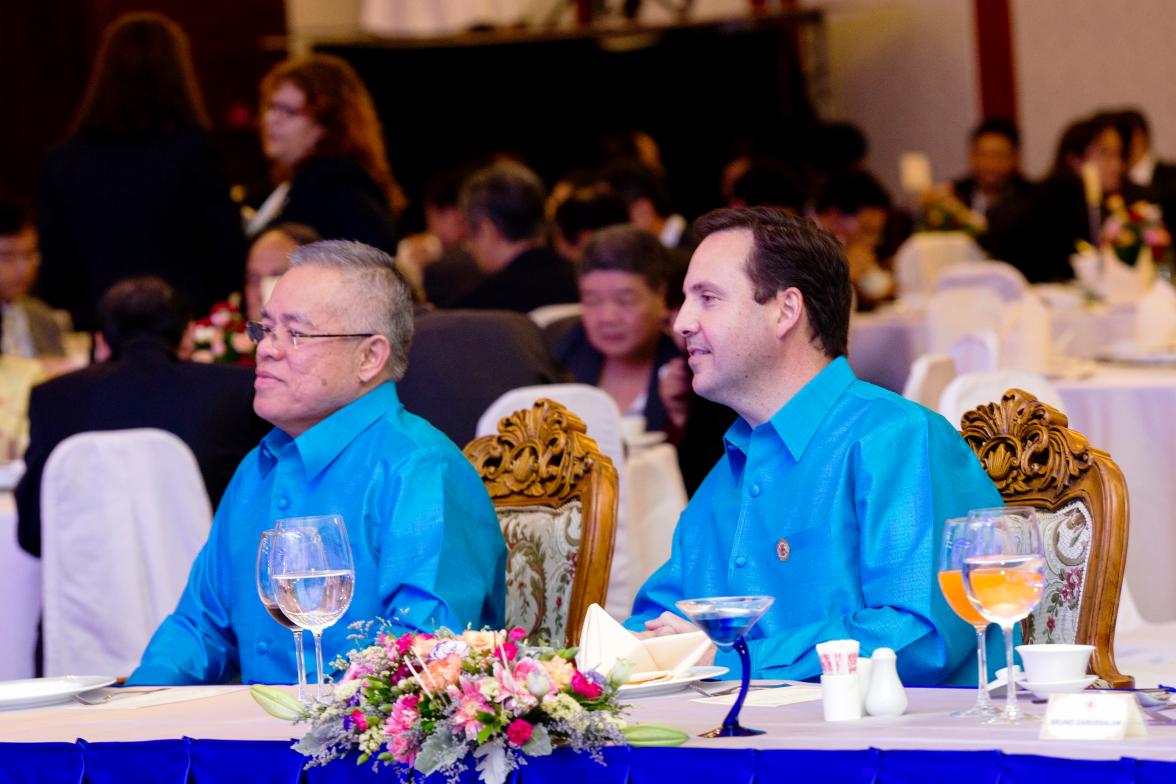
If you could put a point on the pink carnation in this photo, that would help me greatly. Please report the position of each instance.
(584, 687)
(359, 719)
(517, 633)
(519, 732)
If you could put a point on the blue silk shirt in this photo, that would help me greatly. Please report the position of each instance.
(835, 507)
(424, 536)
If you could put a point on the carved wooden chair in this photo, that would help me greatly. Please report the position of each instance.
(556, 498)
(1035, 459)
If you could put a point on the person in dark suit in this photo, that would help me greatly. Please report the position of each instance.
(503, 205)
(320, 130)
(1154, 178)
(138, 174)
(1039, 234)
(144, 384)
(28, 327)
(994, 163)
(461, 361)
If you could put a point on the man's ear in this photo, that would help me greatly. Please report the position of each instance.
(377, 352)
(789, 310)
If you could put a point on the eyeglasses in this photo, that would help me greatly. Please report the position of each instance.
(284, 110)
(258, 332)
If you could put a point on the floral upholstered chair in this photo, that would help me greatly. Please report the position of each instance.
(556, 498)
(1035, 459)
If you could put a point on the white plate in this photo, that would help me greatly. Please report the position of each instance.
(1129, 353)
(1043, 690)
(32, 692)
(669, 687)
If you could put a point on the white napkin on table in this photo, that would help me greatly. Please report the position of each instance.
(603, 641)
(1155, 317)
(1028, 343)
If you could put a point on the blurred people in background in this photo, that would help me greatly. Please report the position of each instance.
(269, 258)
(503, 206)
(449, 271)
(320, 131)
(579, 216)
(855, 207)
(994, 167)
(622, 342)
(1155, 178)
(27, 325)
(137, 188)
(768, 182)
(210, 407)
(1039, 234)
(644, 192)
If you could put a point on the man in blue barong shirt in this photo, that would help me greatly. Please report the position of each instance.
(332, 341)
(832, 493)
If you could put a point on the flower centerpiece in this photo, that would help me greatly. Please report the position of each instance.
(433, 702)
(942, 210)
(1129, 229)
(220, 336)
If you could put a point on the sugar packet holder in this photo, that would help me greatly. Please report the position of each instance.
(841, 694)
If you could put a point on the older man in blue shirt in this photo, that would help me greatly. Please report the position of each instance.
(428, 552)
(832, 494)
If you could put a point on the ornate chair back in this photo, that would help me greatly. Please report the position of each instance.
(1035, 459)
(556, 498)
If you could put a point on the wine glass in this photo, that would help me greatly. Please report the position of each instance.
(1004, 577)
(957, 544)
(268, 593)
(314, 574)
(726, 620)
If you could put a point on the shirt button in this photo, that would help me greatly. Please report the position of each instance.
(755, 491)
(262, 647)
(283, 502)
(740, 561)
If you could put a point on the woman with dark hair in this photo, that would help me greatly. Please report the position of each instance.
(320, 131)
(1040, 234)
(137, 188)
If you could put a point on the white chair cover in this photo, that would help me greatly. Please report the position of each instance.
(920, 260)
(930, 374)
(603, 419)
(123, 514)
(958, 311)
(969, 390)
(1003, 278)
(549, 314)
(975, 352)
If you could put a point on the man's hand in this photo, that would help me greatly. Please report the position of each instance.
(666, 624)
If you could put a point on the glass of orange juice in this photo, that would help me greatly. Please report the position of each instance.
(1004, 577)
(957, 544)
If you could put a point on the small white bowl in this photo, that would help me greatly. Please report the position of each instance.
(1049, 663)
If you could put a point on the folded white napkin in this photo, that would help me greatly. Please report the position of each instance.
(603, 642)
(1027, 342)
(1155, 317)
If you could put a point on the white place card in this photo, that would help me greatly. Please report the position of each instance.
(1092, 716)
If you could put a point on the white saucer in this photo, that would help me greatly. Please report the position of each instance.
(1043, 690)
(33, 692)
(654, 688)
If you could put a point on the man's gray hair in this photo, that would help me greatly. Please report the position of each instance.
(378, 298)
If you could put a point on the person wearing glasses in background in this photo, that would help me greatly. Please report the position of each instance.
(332, 341)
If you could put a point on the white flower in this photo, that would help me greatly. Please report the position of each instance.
(345, 690)
(205, 334)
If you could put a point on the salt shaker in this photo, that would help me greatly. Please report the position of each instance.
(886, 696)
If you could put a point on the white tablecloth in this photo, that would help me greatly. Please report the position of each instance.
(233, 715)
(20, 585)
(1128, 412)
(883, 344)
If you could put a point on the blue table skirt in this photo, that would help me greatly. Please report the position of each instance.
(264, 762)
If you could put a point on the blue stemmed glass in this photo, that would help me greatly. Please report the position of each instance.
(727, 620)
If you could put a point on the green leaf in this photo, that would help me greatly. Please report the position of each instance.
(362, 759)
(540, 743)
(484, 734)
